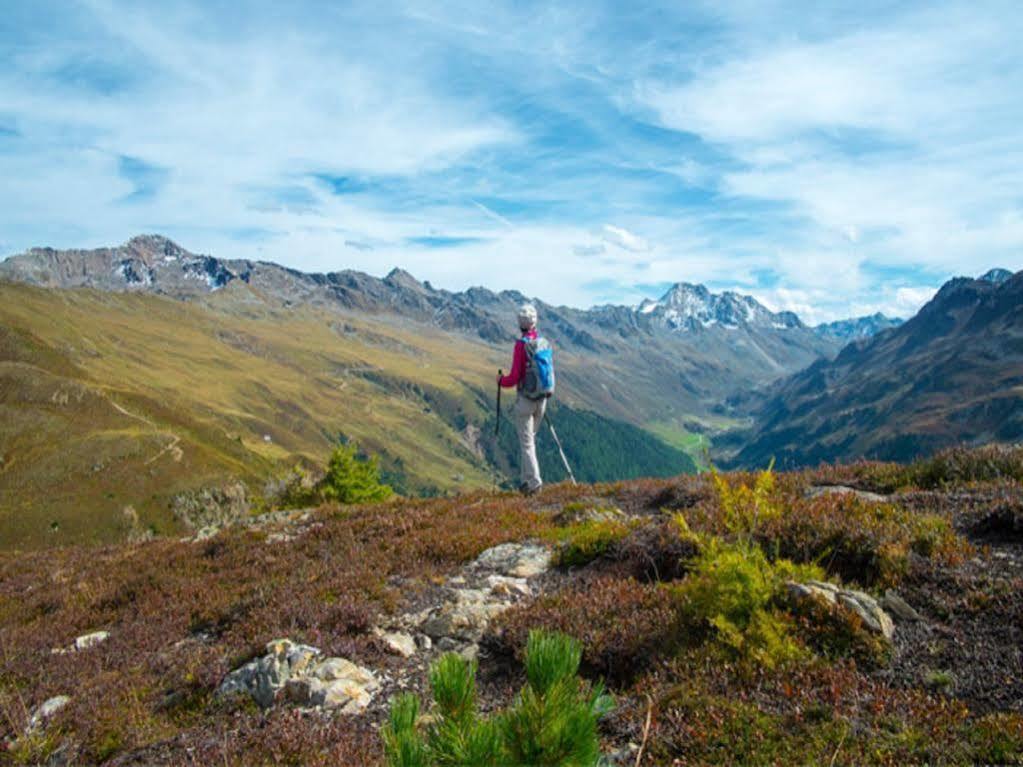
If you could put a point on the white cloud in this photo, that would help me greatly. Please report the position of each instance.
(798, 146)
(624, 239)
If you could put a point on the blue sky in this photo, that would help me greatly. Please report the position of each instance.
(830, 158)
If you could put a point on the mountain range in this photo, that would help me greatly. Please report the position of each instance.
(134, 374)
(684, 353)
(952, 374)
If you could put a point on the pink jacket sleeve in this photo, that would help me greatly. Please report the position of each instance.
(518, 367)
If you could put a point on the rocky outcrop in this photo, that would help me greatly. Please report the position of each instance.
(209, 509)
(863, 605)
(306, 678)
(497, 579)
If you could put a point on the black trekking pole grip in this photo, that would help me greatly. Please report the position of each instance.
(497, 422)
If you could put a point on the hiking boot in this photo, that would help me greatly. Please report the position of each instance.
(527, 490)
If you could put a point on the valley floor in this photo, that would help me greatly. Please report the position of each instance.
(620, 567)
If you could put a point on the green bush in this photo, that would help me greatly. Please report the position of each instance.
(743, 507)
(735, 590)
(352, 479)
(553, 721)
(585, 541)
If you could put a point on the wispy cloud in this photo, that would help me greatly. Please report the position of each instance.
(829, 160)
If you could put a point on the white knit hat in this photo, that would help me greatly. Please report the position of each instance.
(527, 316)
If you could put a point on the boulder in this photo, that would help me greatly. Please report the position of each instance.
(517, 560)
(306, 677)
(465, 617)
(899, 607)
(857, 602)
(574, 514)
(399, 643)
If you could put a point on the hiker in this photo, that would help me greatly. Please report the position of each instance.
(532, 374)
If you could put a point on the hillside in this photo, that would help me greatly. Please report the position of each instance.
(952, 374)
(283, 642)
(118, 400)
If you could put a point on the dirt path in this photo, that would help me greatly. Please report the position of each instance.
(171, 447)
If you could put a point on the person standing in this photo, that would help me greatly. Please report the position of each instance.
(532, 375)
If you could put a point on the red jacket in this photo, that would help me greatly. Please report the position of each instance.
(518, 369)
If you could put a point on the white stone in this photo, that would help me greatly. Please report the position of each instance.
(515, 559)
(47, 710)
(399, 643)
(86, 641)
(863, 495)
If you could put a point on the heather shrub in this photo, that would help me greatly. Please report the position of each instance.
(624, 626)
(996, 739)
(553, 720)
(960, 465)
(862, 541)
(654, 552)
(948, 468)
(833, 632)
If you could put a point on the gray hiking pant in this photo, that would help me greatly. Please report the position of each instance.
(528, 416)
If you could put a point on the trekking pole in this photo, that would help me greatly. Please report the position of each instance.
(561, 451)
(497, 423)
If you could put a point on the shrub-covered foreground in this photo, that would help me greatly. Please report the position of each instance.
(678, 604)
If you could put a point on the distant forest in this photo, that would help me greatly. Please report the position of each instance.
(598, 449)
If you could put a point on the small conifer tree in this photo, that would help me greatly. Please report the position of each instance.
(552, 722)
(351, 479)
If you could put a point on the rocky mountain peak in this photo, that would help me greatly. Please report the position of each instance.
(686, 306)
(399, 278)
(996, 276)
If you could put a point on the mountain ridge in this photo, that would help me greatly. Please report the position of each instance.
(951, 374)
(147, 262)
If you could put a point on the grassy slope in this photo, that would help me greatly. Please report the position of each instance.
(108, 397)
(114, 400)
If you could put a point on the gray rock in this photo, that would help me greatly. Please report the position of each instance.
(517, 560)
(504, 587)
(47, 710)
(595, 513)
(898, 607)
(305, 677)
(399, 643)
(814, 492)
(857, 602)
(466, 617)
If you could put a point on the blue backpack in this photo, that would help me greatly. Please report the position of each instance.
(538, 381)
